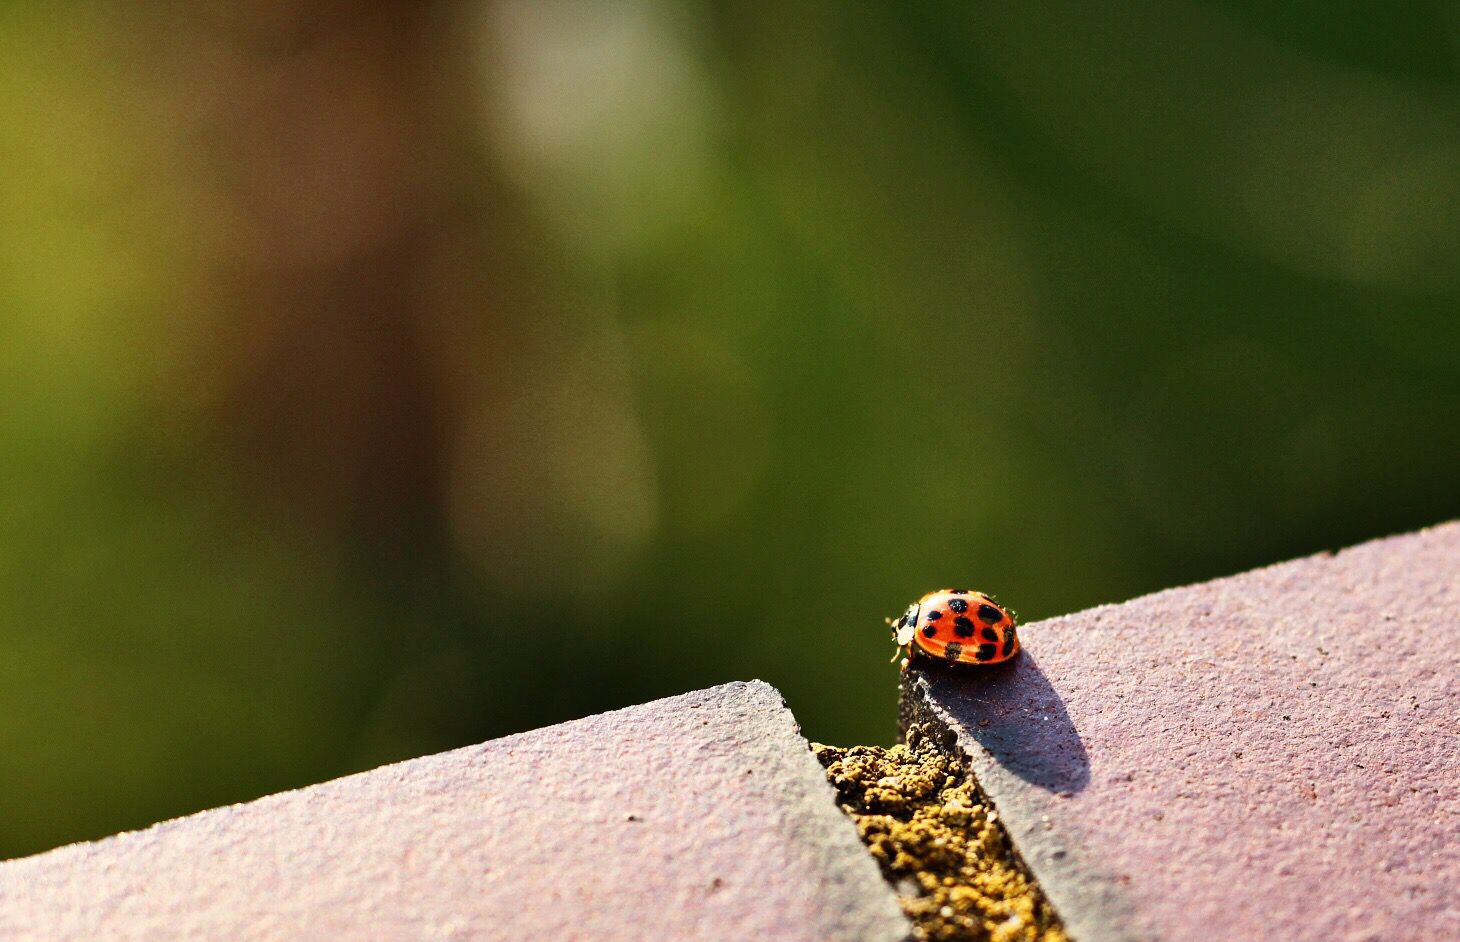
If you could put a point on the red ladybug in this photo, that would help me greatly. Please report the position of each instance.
(958, 626)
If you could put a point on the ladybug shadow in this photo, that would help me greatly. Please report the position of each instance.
(1017, 716)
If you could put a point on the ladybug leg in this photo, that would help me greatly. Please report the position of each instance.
(892, 623)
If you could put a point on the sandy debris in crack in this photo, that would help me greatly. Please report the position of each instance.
(955, 874)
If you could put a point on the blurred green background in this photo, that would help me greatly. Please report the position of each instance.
(380, 378)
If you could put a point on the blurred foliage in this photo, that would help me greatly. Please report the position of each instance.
(378, 378)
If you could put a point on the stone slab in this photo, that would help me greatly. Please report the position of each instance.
(703, 816)
(1273, 755)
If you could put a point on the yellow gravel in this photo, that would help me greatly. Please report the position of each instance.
(939, 845)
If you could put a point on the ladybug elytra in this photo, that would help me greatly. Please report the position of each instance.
(958, 626)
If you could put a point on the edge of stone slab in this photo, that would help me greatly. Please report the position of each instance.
(867, 862)
(1269, 568)
(755, 688)
(1088, 906)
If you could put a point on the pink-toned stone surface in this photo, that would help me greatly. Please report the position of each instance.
(1270, 756)
(702, 816)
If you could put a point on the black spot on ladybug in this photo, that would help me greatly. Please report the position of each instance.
(963, 626)
(958, 605)
(957, 591)
(990, 614)
(930, 631)
(986, 651)
(990, 634)
(1009, 640)
(934, 615)
(952, 651)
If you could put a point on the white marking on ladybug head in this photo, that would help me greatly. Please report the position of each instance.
(907, 625)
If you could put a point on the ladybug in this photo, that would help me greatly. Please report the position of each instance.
(958, 626)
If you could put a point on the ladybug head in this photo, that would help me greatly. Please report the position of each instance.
(903, 628)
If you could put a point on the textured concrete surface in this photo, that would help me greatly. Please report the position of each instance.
(703, 816)
(1274, 755)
